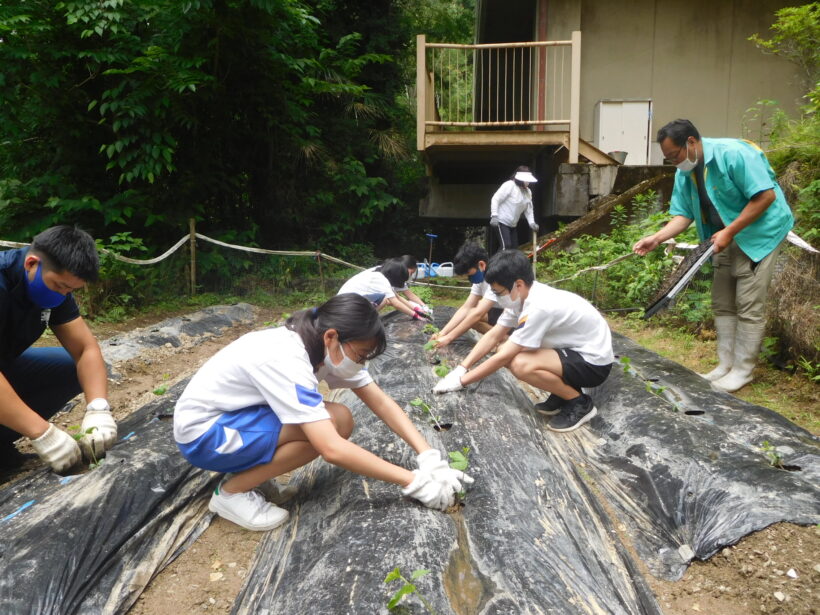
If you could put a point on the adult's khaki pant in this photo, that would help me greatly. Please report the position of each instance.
(740, 286)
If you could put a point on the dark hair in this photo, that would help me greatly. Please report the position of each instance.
(468, 256)
(506, 267)
(522, 168)
(409, 261)
(353, 317)
(678, 131)
(395, 271)
(68, 248)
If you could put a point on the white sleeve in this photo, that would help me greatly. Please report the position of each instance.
(291, 390)
(532, 327)
(499, 196)
(508, 319)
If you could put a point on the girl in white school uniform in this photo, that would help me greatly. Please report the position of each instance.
(378, 285)
(254, 410)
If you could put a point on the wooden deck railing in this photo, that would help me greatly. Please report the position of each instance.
(519, 86)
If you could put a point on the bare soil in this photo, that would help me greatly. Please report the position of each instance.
(775, 571)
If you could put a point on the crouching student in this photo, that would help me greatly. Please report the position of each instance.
(254, 410)
(377, 286)
(404, 291)
(480, 311)
(558, 342)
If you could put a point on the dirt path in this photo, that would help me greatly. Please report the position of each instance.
(775, 571)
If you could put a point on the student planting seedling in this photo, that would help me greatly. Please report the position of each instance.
(558, 342)
(254, 410)
(380, 286)
(481, 310)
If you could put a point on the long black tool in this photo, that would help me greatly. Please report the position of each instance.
(679, 278)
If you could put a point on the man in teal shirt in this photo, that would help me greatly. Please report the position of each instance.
(729, 189)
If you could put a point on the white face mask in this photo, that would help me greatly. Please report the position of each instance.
(507, 302)
(346, 369)
(687, 166)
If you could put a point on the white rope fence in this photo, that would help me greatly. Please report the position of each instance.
(318, 254)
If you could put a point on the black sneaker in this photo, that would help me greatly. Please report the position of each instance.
(577, 412)
(551, 406)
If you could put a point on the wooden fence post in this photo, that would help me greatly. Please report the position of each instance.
(321, 273)
(192, 232)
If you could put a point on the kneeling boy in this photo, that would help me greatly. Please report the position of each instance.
(559, 342)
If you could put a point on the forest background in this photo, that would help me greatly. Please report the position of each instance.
(288, 125)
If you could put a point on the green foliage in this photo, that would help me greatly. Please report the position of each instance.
(807, 210)
(408, 588)
(460, 460)
(810, 368)
(431, 345)
(430, 329)
(160, 390)
(634, 281)
(276, 113)
(768, 349)
(419, 403)
(775, 458)
(796, 36)
(442, 369)
(76, 432)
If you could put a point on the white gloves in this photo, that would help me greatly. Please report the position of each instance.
(534, 227)
(103, 429)
(57, 449)
(429, 491)
(431, 461)
(494, 221)
(451, 382)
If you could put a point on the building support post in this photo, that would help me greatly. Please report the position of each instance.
(575, 97)
(421, 89)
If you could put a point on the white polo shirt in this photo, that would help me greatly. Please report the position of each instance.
(553, 318)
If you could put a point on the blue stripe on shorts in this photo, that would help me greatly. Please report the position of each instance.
(237, 441)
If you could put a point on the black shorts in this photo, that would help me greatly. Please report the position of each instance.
(578, 372)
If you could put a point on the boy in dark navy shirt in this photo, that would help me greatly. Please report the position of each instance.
(36, 285)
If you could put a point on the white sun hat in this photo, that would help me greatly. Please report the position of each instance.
(526, 176)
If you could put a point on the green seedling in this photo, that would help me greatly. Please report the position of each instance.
(160, 390)
(626, 362)
(409, 588)
(442, 369)
(430, 329)
(460, 460)
(78, 435)
(431, 345)
(425, 409)
(775, 458)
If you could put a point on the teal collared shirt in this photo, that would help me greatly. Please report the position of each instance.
(735, 170)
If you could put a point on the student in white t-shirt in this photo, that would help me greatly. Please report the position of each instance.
(480, 311)
(254, 410)
(403, 292)
(558, 342)
(377, 286)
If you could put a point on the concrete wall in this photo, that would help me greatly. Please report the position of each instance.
(690, 58)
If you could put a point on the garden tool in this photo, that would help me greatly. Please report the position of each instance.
(679, 278)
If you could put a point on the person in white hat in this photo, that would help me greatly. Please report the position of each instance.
(508, 203)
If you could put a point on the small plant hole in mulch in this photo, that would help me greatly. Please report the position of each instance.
(443, 426)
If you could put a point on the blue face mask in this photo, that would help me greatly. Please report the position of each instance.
(477, 277)
(40, 294)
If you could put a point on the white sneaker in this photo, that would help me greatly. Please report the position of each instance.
(276, 492)
(248, 510)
